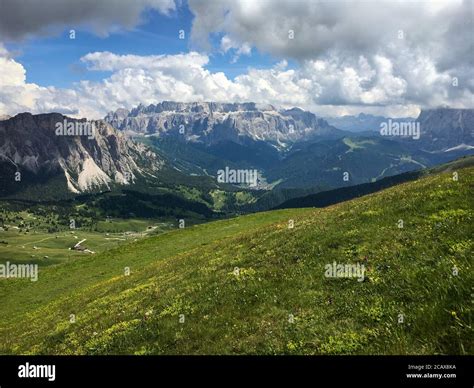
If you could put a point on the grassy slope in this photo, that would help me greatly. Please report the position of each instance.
(281, 272)
(23, 296)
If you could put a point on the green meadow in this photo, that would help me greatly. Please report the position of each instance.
(39, 246)
(255, 285)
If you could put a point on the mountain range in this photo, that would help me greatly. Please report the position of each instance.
(212, 123)
(442, 129)
(293, 148)
(179, 145)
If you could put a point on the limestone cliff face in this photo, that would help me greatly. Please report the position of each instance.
(211, 123)
(89, 161)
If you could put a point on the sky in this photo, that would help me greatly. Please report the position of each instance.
(86, 58)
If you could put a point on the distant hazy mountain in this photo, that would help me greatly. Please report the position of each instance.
(361, 123)
(442, 129)
(211, 123)
(36, 146)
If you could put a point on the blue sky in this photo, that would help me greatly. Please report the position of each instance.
(55, 60)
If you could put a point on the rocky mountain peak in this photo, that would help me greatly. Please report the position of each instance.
(90, 154)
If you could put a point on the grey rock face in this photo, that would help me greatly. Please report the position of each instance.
(446, 128)
(88, 162)
(211, 123)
